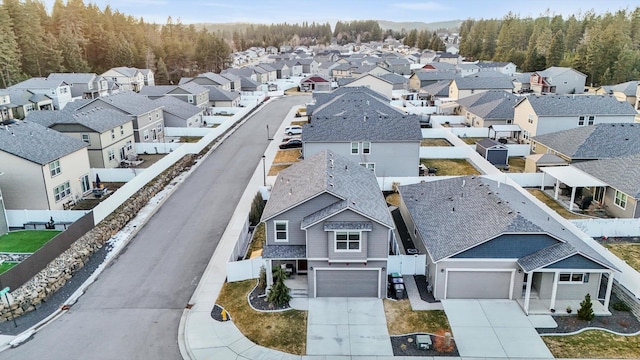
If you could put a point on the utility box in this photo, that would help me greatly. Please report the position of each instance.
(423, 342)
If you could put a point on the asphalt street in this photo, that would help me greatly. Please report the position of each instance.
(133, 310)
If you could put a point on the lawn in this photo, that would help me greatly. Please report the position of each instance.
(594, 345)
(553, 204)
(451, 166)
(285, 331)
(472, 140)
(628, 252)
(275, 169)
(287, 156)
(402, 320)
(257, 242)
(6, 266)
(516, 164)
(435, 142)
(25, 241)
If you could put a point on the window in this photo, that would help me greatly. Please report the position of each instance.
(129, 145)
(533, 147)
(159, 128)
(509, 121)
(347, 241)
(621, 199)
(113, 134)
(146, 134)
(190, 99)
(530, 120)
(370, 166)
(580, 120)
(366, 147)
(62, 191)
(85, 138)
(54, 168)
(86, 185)
(575, 278)
(121, 129)
(281, 229)
(354, 148)
(157, 114)
(112, 154)
(591, 119)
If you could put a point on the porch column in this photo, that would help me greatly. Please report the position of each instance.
(557, 189)
(607, 295)
(269, 273)
(554, 290)
(542, 185)
(573, 198)
(527, 294)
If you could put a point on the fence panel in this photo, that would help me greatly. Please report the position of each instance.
(407, 264)
(244, 270)
(17, 218)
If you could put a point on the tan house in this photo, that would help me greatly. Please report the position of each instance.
(127, 78)
(469, 85)
(494, 107)
(43, 169)
(375, 83)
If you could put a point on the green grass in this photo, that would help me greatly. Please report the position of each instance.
(451, 167)
(594, 345)
(6, 266)
(25, 241)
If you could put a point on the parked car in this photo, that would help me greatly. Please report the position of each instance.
(291, 144)
(291, 130)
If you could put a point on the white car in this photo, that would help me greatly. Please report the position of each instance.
(293, 130)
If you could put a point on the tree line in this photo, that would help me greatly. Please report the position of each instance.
(605, 47)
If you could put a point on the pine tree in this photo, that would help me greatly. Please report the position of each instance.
(586, 309)
(9, 52)
(161, 75)
(555, 52)
(279, 293)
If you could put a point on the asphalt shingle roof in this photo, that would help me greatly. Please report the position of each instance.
(284, 252)
(22, 96)
(492, 104)
(600, 141)
(321, 98)
(487, 209)
(73, 78)
(577, 105)
(217, 94)
(178, 107)
(429, 75)
(38, 83)
(439, 88)
(628, 88)
(128, 101)
(97, 119)
(353, 186)
(37, 143)
(481, 82)
(621, 173)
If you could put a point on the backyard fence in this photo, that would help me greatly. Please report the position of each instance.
(407, 264)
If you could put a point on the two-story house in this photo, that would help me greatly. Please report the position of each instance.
(178, 113)
(209, 79)
(147, 115)
(22, 102)
(493, 107)
(544, 114)
(397, 65)
(367, 131)
(375, 83)
(83, 85)
(423, 78)
(149, 79)
(6, 112)
(558, 80)
(57, 90)
(190, 92)
(505, 67)
(469, 85)
(326, 219)
(108, 133)
(43, 169)
(127, 78)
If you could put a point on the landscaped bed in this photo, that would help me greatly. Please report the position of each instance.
(285, 331)
(25, 241)
(451, 167)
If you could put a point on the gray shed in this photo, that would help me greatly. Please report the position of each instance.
(494, 152)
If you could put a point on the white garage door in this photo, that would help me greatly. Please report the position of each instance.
(478, 284)
(346, 283)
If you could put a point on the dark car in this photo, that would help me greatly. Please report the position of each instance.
(291, 144)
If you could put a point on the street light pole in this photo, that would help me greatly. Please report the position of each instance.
(268, 134)
(264, 171)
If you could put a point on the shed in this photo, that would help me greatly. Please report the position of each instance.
(496, 153)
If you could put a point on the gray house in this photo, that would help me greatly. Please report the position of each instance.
(558, 80)
(178, 113)
(190, 93)
(326, 219)
(83, 85)
(493, 107)
(368, 131)
(507, 248)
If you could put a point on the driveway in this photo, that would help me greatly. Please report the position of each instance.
(493, 329)
(347, 326)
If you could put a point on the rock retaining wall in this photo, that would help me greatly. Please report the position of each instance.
(57, 272)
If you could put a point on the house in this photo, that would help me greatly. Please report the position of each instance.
(247, 84)
(315, 83)
(149, 80)
(282, 69)
(624, 92)
(327, 219)
(147, 116)
(6, 112)
(209, 79)
(57, 90)
(400, 66)
(466, 69)
(83, 85)
(127, 78)
(494, 152)
(398, 82)
(190, 92)
(522, 83)
(507, 68)
(422, 78)
(239, 73)
(493, 107)
(309, 65)
(446, 57)
(272, 74)
(178, 113)
(295, 68)
(535, 162)
(22, 102)
(543, 114)
(222, 98)
(375, 83)
(558, 80)
(368, 131)
(322, 98)
(108, 133)
(508, 248)
(342, 70)
(234, 81)
(43, 169)
(435, 91)
(466, 86)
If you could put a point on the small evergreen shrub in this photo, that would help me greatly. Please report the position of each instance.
(586, 309)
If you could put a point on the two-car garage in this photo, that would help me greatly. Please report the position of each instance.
(479, 284)
(347, 282)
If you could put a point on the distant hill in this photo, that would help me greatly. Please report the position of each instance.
(419, 25)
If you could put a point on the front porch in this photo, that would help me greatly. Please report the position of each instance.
(542, 307)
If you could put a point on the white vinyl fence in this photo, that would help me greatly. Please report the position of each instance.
(407, 264)
(609, 227)
(244, 270)
(17, 218)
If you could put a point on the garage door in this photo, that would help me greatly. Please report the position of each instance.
(347, 283)
(478, 284)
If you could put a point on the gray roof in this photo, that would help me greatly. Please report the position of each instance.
(546, 256)
(354, 187)
(434, 75)
(480, 82)
(628, 88)
(487, 209)
(489, 74)
(557, 70)
(550, 159)
(284, 252)
(439, 88)
(492, 104)
(73, 78)
(397, 61)
(129, 102)
(126, 71)
(321, 98)
(577, 105)
(621, 173)
(38, 83)
(523, 78)
(37, 143)
(492, 64)
(97, 119)
(217, 94)
(248, 83)
(600, 141)
(159, 90)
(23, 96)
(360, 117)
(178, 107)
(211, 76)
(443, 66)
(394, 78)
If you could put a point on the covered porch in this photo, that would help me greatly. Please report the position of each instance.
(573, 179)
(505, 134)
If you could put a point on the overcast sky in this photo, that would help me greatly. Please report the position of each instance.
(292, 11)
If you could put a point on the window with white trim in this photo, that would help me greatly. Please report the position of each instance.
(159, 128)
(113, 134)
(620, 199)
(129, 145)
(370, 166)
(580, 120)
(121, 129)
(347, 240)
(281, 229)
(86, 138)
(146, 134)
(533, 146)
(530, 120)
(591, 119)
(62, 191)
(355, 149)
(366, 147)
(112, 154)
(54, 168)
(573, 278)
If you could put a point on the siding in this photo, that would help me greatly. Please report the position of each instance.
(323, 264)
(567, 291)
(616, 211)
(576, 262)
(470, 264)
(509, 246)
(22, 183)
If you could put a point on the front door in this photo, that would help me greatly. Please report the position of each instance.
(598, 194)
(302, 266)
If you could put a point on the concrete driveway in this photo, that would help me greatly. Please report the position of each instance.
(493, 329)
(347, 326)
